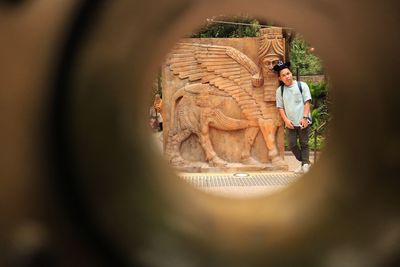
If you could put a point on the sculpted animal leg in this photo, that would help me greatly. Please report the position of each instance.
(204, 136)
(250, 136)
(268, 129)
(174, 144)
(218, 120)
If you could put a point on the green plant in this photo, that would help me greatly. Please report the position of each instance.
(319, 113)
(225, 30)
(302, 58)
(318, 90)
(156, 87)
(316, 145)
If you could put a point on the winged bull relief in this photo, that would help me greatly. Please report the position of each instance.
(211, 75)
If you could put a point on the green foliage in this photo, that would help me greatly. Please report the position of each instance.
(319, 90)
(222, 30)
(320, 117)
(156, 86)
(316, 145)
(301, 57)
(319, 113)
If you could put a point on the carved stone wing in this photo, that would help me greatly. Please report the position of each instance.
(221, 66)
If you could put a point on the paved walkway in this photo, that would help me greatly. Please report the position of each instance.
(243, 185)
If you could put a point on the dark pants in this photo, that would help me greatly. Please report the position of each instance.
(301, 153)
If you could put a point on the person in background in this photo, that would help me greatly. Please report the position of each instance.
(293, 100)
(157, 104)
(153, 123)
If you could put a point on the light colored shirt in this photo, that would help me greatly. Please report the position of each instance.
(293, 101)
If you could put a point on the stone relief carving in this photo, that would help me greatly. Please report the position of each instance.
(213, 74)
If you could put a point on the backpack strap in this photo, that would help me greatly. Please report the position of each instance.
(282, 90)
(300, 88)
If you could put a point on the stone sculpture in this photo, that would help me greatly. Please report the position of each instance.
(216, 73)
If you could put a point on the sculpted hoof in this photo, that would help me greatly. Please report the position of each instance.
(278, 161)
(250, 161)
(218, 162)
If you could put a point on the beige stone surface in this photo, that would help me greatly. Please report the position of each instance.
(219, 104)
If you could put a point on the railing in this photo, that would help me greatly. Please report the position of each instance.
(314, 134)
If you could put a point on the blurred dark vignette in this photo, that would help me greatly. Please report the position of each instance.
(70, 196)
